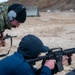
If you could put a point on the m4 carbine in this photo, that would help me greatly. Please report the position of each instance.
(55, 53)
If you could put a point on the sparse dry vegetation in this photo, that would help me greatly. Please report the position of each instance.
(48, 4)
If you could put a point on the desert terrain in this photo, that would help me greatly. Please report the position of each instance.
(55, 29)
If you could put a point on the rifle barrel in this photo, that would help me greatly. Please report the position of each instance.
(69, 51)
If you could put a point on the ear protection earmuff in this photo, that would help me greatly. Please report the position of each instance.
(13, 13)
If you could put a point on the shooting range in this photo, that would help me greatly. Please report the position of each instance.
(53, 21)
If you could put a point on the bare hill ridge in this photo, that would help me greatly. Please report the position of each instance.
(48, 4)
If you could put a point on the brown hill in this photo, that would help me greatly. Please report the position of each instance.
(47, 4)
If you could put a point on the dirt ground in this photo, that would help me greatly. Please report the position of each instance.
(55, 29)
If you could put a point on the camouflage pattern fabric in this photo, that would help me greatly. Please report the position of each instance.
(4, 23)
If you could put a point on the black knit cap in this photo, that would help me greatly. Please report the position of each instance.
(21, 16)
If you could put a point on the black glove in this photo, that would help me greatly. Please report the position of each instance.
(55, 70)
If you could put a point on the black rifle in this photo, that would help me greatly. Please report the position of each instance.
(7, 37)
(55, 53)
